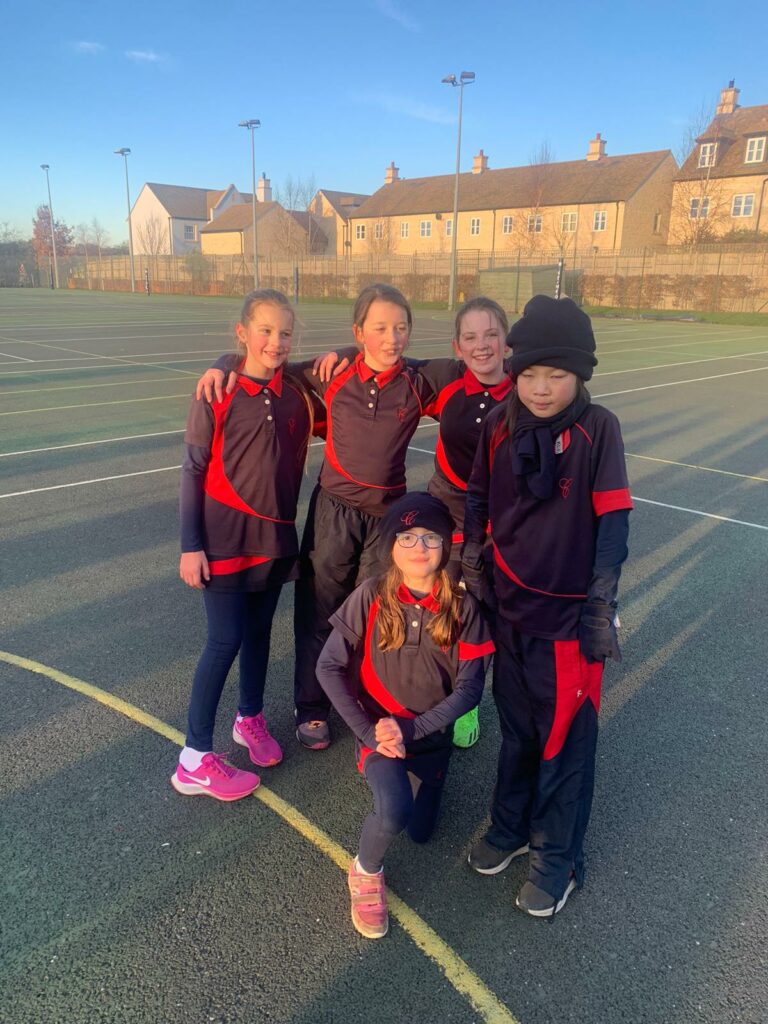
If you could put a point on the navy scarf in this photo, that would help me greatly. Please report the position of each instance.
(533, 444)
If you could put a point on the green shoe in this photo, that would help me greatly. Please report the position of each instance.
(466, 730)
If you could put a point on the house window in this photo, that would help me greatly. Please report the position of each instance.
(568, 222)
(699, 208)
(360, 231)
(404, 228)
(657, 223)
(599, 220)
(425, 229)
(448, 228)
(707, 154)
(742, 206)
(534, 224)
(474, 226)
(190, 233)
(506, 226)
(378, 230)
(755, 151)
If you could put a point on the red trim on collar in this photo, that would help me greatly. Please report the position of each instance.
(383, 377)
(473, 386)
(429, 602)
(252, 388)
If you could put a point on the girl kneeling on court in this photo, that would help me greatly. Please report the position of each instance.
(239, 491)
(550, 480)
(406, 657)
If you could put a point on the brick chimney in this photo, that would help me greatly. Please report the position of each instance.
(480, 163)
(263, 189)
(728, 99)
(391, 174)
(596, 148)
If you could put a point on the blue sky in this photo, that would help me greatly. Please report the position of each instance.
(342, 88)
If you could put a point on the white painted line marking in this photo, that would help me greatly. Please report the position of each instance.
(698, 512)
(80, 387)
(676, 383)
(83, 483)
(85, 444)
(17, 359)
(93, 405)
(688, 362)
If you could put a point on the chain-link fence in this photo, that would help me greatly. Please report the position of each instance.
(726, 278)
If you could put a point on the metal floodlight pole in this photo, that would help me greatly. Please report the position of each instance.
(252, 124)
(465, 78)
(46, 167)
(124, 153)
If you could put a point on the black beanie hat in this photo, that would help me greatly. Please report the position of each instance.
(553, 332)
(413, 510)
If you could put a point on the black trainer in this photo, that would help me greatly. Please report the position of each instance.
(487, 859)
(534, 901)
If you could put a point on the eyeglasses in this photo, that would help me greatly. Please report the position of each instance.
(410, 540)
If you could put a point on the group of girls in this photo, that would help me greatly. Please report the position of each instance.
(529, 484)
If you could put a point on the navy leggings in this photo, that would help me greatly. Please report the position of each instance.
(236, 622)
(406, 795)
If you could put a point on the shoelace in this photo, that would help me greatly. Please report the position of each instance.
(256, 726)
(215, 762)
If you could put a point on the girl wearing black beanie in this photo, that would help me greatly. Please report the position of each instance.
(550, 484)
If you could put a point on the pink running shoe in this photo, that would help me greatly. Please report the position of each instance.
(369, 903)
(215, 778)
(252, 733)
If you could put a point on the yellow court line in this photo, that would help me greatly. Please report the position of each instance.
(705, 469)
(458, 973)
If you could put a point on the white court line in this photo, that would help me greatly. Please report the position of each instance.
(80, 387)
(688, 362)
(675, 383)
(93, 405)
(697, 512)
(85, 444)
(16, 359)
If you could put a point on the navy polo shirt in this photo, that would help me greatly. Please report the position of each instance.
(255, 441)
(462, 405)
(544, 551)
(371, 419)
(413, 680)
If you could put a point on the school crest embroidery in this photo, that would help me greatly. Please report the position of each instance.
(409, 518)
(402, 412)
(565, 484)
(291, 425)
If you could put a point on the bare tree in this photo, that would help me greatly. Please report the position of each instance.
(8, 233)
(528, 223)
(381, 241)
(699, 204)
(295, 194)
(152, 235)
(100, 237)
(82, 238)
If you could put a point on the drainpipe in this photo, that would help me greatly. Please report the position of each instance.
(170, 234)
(616, 226)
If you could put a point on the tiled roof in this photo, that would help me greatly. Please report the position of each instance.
(302, 218)
(345, 203)
(731, 132)
(236, 218)
(182, 201)
(610, 179)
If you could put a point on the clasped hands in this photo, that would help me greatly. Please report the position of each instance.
(389, 738)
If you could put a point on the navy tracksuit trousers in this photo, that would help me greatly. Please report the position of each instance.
(548, 697)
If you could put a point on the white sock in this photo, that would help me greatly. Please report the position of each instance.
(191, 759)
(365, 871)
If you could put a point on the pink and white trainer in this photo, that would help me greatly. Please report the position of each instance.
(252, 732)
(215, 778)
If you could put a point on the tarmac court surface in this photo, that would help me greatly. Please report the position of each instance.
(123, 902)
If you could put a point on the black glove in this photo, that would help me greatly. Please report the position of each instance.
(597, 632)
(475, 575)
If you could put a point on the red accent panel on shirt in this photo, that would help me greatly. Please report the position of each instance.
(467, 652)
(217, 485)
(365, 753)
(224, 566)
(457, 538)
(499, 435)
(579, 427)
(516, 579)
(442, 461)
(610, 501)
(371, 682)
(436, 407)
(576, 680)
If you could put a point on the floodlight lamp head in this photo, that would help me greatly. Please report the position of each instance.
(44, 167)
(467, 76)
(252, 122)
(450, 80)
(122, 152)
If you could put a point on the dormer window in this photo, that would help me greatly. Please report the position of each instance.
(707, 154)
(755, 151)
